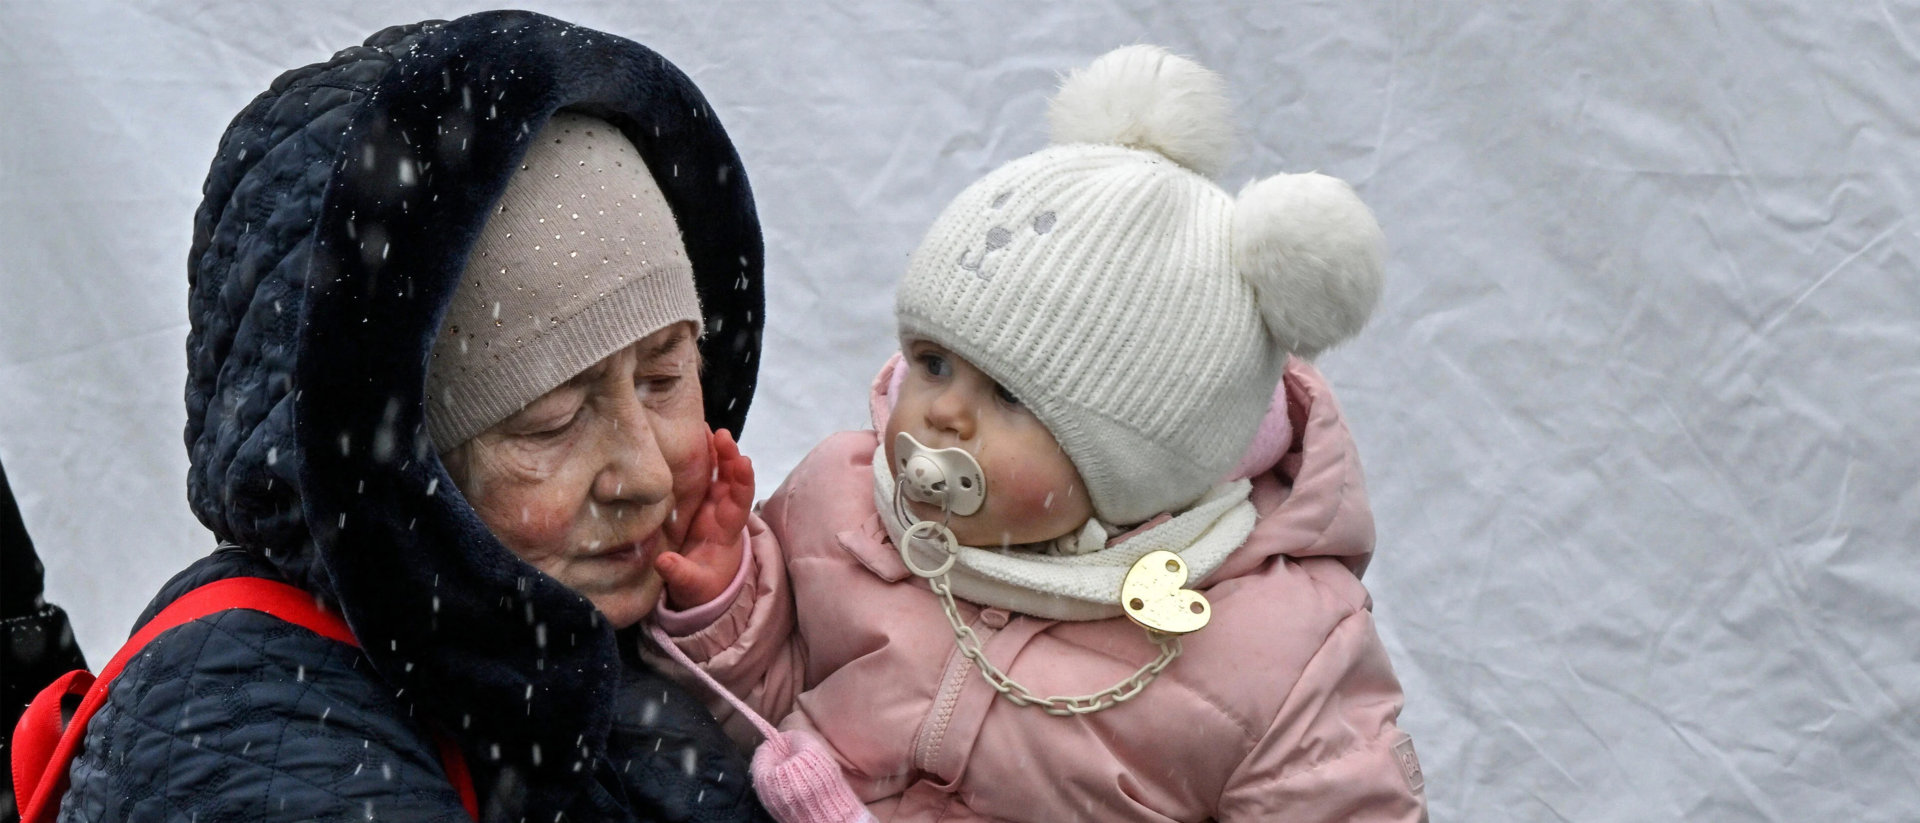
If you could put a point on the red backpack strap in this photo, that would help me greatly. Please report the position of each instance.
(38, 730)
(40, 767)
(456, 765)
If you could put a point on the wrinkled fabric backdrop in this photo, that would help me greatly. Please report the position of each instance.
(1638, 408)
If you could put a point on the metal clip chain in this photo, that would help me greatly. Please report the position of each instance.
(969, 641)
(1060, 706)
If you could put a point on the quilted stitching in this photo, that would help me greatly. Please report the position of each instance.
(241, 717)
(263, 194)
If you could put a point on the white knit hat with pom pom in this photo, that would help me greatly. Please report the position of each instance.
(1140, 311)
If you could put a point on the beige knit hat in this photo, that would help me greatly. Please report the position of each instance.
(581, 258)
(1140, 311)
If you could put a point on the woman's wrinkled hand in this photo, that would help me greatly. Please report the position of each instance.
(711, 555)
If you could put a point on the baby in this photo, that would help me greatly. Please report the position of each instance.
(1099, 557)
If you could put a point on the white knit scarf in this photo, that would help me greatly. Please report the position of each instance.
(1064, 581)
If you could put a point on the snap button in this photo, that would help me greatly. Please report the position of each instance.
(995, 617)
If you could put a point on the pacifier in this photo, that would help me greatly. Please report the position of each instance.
(949, 478)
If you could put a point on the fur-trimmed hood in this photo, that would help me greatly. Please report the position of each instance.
(337, 219)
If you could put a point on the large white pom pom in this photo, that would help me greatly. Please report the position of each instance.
(1144, 97)
(1313, 254)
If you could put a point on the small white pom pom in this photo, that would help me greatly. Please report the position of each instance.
(1144, 97)
(1313, 254)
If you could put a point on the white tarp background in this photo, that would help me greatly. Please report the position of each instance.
(1638, 410)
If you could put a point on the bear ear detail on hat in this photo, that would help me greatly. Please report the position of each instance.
(1145, 97)
(1313, 254)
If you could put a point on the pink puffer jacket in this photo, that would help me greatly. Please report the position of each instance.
(1282, 708)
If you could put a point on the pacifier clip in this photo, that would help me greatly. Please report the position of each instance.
(1151, 595)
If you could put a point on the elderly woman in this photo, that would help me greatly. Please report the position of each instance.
(469, 303)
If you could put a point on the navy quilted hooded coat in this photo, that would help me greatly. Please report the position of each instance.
(337, 218)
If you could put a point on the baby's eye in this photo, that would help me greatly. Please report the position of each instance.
(1004, 395)
(935, 365)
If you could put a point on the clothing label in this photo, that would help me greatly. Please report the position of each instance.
(1409, 765)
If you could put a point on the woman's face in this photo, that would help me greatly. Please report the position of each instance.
(590, 482)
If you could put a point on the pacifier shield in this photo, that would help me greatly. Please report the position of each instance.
(949, 478)
(1152, 595)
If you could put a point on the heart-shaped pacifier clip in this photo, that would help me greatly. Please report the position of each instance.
(1152, 595)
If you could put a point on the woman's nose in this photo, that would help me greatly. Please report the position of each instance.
(953, 411)
(633, 469)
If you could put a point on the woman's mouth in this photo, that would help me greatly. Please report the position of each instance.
(632, 551)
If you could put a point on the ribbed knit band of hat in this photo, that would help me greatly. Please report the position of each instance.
(1140, 311)
(580, 258)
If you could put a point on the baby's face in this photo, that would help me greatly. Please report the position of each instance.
(1033, 491)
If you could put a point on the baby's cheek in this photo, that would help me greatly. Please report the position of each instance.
(1034, 505)
(1026, 496)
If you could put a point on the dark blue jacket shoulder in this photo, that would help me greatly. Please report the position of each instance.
(240, 716)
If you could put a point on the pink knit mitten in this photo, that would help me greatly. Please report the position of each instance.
(799, 782)
(793, 772)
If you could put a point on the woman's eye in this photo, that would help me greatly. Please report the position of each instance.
(655, 386)
(555, 428)
(1004, 395)
(935, 365)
